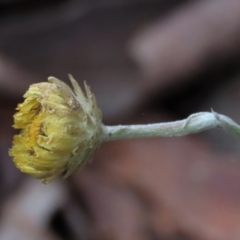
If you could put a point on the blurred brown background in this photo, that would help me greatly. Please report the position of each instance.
(146, 61)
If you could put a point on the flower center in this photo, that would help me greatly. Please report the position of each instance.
(33, 130)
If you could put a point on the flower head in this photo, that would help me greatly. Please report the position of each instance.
(60, 129)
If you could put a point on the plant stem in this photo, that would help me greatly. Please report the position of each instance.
(195, 123)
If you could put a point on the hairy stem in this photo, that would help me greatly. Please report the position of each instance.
(195, 123)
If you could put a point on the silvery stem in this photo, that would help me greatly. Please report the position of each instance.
(195, 123)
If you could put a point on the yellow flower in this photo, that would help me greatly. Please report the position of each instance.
(60, 130)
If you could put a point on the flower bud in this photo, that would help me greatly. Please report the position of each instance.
(60, 130)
